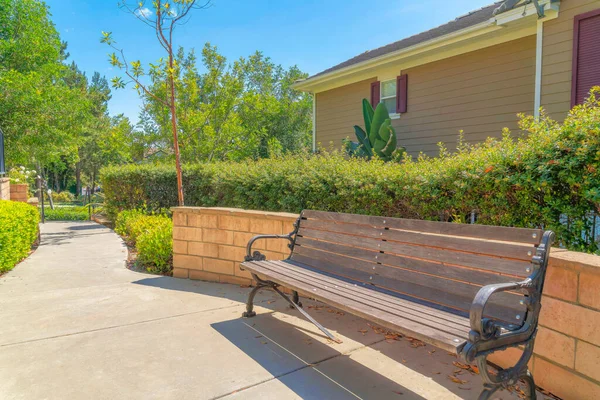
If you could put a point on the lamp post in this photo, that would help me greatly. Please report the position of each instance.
(2, 163)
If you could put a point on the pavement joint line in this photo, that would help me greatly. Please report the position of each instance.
(306, 365)
(117, 326)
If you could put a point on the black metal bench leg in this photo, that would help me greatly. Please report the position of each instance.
(249, 313)
(295, 299)
(507, 377)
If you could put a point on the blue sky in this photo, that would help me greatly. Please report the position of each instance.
(313, 34)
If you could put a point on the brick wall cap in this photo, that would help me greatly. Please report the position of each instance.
(238, 212)
(575, 260)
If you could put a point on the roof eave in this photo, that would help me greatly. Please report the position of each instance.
(307, 84)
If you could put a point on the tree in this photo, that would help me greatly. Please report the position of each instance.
(163, 17)
(245, 109)
(39, 113)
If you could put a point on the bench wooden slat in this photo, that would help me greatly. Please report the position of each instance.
(381, 300)
(405, 326)
(504, 306)
(507, 234)
(334, 287)
(412, 303)
(517, 268)
(477, 277)
(470, 245)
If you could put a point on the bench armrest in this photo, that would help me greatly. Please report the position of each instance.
(486, 334)
(257, 256)
(478, 322)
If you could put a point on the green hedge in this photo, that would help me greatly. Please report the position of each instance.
(18, 232)
(550, 179)
(66, 214)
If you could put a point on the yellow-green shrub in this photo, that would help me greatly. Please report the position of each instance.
(18, 232)
(152, 237)
(155, 245)
(124, 218)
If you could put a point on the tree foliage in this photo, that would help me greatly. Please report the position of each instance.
(246, 109)
(53, 117)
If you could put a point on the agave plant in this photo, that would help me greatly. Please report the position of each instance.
(378, 137)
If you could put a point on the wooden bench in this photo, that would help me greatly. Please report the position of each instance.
(467, 289)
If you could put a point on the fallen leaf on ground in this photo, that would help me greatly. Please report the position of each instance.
(456, 380)
(415, 342)
(460, 365)
(431, 351)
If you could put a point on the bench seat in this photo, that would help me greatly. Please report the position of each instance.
(416, 319)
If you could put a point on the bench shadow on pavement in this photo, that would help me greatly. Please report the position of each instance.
(272, 339)
(308, 367)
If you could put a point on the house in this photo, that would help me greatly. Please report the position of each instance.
(472, 74)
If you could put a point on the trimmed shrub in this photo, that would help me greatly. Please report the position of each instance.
(66, 214)
(62, 197)
(124, 219)
(549, 179)
(155, 245)
(152, 237)
(18, 231)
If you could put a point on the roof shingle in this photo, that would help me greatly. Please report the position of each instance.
(473, 18)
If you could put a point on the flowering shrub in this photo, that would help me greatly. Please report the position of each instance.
(18, 231)
(549, 179)
(22, 175)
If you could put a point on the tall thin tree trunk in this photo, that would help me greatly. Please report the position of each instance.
(175, 136)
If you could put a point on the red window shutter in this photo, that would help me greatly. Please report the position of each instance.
(402, 94)
(375, 93)
(586, 56)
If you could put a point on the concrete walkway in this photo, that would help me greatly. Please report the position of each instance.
(76, 324)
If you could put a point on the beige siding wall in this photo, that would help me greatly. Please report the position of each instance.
(558, 57)
(338, 110)
(479, 92)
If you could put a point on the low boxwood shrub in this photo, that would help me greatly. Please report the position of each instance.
(550, 179)
(66, 214)
(152, 237)
(18, 232)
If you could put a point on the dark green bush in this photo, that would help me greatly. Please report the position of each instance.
(18, 232)
(550, 179)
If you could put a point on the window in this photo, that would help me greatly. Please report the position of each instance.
(388, 95)
(586, 57)
(393, 93)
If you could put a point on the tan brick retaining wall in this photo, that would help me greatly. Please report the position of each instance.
(209, 244)
(19, 192)
(4, 189)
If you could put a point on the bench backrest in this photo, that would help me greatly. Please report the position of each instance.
(439, 263)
